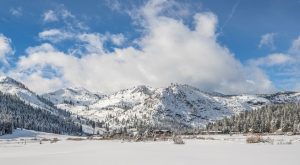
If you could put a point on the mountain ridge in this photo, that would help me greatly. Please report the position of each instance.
(10, 86)
(173, 107)
(179, 104)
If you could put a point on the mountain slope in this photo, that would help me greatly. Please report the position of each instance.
(74, 95)
(40, 105)
(72, 99)
(13, 87)
(173, 107)
(283, 97)
(15, 113)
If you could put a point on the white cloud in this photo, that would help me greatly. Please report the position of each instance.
(5, 48)
(284, 67)
(17, 12)
(39, 83)
(66, 17)
(169, 51)
(50, 16)
(267, 40)
(65, 13)
(118, 39)
(93, 42)
(55, 35)
(206, 25)
(295, 48)
(58, 14)
(46, 47)
(272, 60)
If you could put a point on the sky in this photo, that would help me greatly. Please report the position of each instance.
(228, 46)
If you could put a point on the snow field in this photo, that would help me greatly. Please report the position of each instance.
(212, 150)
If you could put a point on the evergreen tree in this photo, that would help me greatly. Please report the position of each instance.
(15, 113)
(266, 119)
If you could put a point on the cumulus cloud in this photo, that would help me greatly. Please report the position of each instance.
(268, 40)
(5, 48)
(93, 42)
(40, 83)
(169, 51)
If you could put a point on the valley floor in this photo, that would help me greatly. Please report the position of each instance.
(213, 150)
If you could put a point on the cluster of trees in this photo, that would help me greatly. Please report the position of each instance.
(6, 126)
(142, 123)
(268, 119)
(15, 113)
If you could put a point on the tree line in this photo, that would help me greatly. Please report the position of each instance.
(15, 113)
(268, 119)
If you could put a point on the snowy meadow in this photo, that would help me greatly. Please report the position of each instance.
(32, 148)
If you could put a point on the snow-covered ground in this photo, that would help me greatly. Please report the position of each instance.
(222, 150)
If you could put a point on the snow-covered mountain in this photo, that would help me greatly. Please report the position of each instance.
(73, 99)
(13, 87)
(73, 95)
(171, 107)
(9, 86)
(175, 106)
(283, 97)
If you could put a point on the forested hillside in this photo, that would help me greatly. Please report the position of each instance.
(15, 113)
(268, 119)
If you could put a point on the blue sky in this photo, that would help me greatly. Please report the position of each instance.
(260, 35)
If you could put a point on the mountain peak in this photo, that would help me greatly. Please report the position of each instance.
(76, 90)
(142, 89)
(74, 95)
(10, 81)
(11, 86)
(6, 78)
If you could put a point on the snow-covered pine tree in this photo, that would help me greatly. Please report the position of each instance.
(267, 119)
